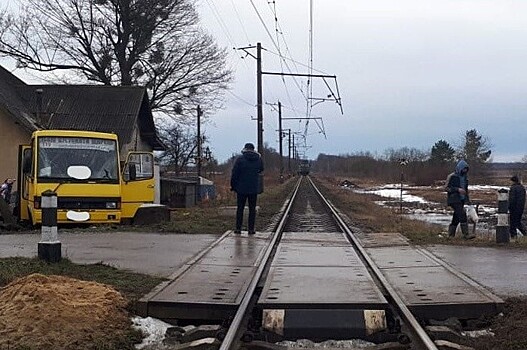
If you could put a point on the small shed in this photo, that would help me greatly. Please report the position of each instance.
(185, 192)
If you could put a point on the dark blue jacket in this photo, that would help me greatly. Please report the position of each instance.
(517, 199)
(245, 173)
(453, 184)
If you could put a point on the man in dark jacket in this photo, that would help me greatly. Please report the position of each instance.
(457, 196)
(516, 206)
(244, 181)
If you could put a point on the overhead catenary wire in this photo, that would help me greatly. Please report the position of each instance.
(240, 98)
(240, 21)
(277, 32)
(222, 24)
(309, 102)
(275, 44)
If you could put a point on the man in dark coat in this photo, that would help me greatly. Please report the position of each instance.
(457, 196)
(244, 181)
(516, 206)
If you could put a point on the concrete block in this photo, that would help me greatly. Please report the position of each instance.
(151, 214)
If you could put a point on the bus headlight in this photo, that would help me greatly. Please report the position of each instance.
(111, 205)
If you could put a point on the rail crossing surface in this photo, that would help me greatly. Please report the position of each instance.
(211, 286)
(314, 272)
(318, 284)
(429, 287)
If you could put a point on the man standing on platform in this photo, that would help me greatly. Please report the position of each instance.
(516, 206)
(244, 181)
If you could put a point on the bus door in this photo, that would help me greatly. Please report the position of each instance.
(25, 174)
(138, 182)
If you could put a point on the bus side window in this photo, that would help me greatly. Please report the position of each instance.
(142, 163)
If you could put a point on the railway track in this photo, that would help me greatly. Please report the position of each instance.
(311, 277)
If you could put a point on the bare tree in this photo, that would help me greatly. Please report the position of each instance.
(180, 148)
(152, 43)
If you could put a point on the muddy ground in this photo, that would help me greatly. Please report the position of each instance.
(57, 312)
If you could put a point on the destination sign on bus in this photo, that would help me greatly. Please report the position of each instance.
(83, 143)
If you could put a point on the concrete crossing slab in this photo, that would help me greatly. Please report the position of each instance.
(429, 287)
(400, 257)
(320, 287)
(318, 238)
(299, 254)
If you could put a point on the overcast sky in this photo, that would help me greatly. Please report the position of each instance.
(410, 72)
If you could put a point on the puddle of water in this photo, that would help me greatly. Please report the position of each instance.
(417, 208)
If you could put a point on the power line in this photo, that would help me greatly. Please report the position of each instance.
(277, 32)
(240, 98)
(222, 24)
(275, 44)
(297, 62)
(241, 23)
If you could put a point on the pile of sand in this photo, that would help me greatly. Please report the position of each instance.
(57, 312)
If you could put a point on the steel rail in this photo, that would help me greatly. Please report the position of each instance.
(400, 305)
(232, 333)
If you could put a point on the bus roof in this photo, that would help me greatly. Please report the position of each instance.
(75, 133)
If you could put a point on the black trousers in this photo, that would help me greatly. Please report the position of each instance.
(516, 223)
(240, 202)
(459, 216)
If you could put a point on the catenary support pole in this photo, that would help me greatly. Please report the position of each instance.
(289, 154)
(502, 228)
(49, 248)
(259, 97)
(198, 146)
(280, 142)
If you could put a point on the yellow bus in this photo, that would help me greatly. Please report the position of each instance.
(84, 169)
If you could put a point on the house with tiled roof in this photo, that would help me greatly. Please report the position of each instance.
(24, 108)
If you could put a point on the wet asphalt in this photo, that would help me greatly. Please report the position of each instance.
(502, 270)
(149, 253)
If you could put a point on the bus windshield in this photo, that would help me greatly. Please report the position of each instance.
(57, 154)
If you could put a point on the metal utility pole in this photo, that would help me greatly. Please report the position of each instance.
(199, 142)
(280, 143)
(259, 97)
(289, 154)
(332, 96)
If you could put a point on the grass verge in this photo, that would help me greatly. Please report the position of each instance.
(211, 218)
(370, 217)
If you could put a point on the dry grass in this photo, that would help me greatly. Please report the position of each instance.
(370, 217)
(209, 217)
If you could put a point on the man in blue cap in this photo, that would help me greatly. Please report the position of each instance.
(457, 196)
(244, 181)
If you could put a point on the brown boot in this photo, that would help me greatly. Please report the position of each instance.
(464, 230)
(452, 230)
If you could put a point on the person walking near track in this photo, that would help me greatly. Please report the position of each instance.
(457, 196)
(516, 206)
(244, 181)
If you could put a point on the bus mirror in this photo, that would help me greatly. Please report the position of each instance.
(26, 161)
(132, 171)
